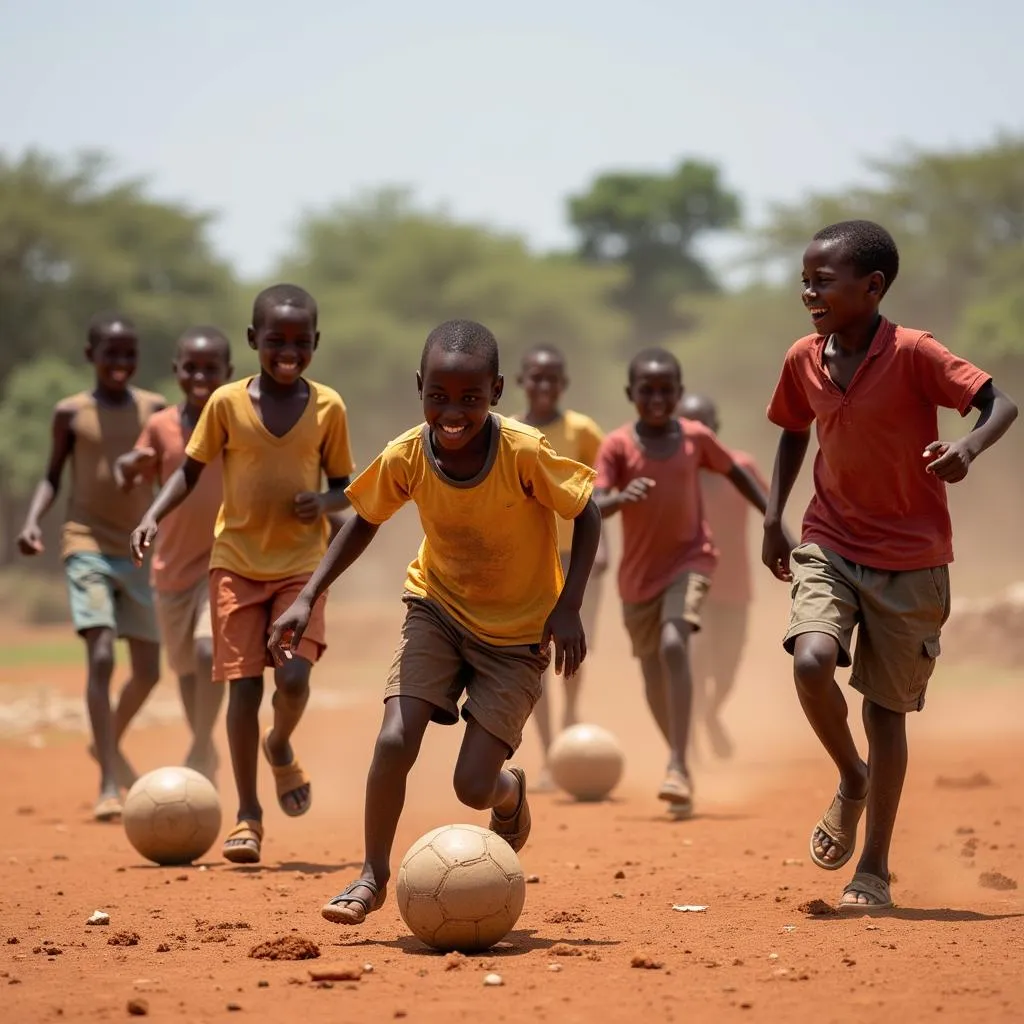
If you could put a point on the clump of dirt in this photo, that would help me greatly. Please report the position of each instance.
(138, 1007)
(564, 949)
(979, 780)
(645, 963)
(238, 926)
(214, 937)
(996, 880)
(344, 972)
(817, 908)
(564, 917)
(453, 961)
(970, 847)
(123, 939)
(287, 947)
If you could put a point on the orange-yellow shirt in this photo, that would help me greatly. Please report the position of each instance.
(489, 555)
(258, 534)
(576, 437)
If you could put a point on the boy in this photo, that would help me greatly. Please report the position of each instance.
(574, 436)
(724, 617)
(877, 538)
(648, 470)
(109, 596)
(279, 434)
(181, 562)
(484, 596)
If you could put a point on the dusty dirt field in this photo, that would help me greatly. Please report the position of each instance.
(609, 873)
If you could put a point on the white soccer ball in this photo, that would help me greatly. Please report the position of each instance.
(460, 887)
(172, 815)
(586, 761)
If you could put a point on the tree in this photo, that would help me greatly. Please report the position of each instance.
(651, 224)
(74, 242)
(385, 272)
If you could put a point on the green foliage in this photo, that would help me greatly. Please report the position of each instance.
(72, 243)
(385, 272)
(650, 224)
(32, 390)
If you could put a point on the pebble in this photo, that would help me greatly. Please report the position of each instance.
(98, 917)
(493, 979)
(138, 1007)
(554, 968)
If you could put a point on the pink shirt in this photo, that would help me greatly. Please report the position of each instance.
(667, 534)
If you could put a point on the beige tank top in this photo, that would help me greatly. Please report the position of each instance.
(100, 517)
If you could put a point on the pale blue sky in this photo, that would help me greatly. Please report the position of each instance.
(258, 110)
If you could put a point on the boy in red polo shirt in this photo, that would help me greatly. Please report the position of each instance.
(877, 537)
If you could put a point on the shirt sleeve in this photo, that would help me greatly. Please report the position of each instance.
(608, 465)
(561, 484)
(336, 450)
(211, 433)
(382, 488)
(789, 407)
(590, 442)
(712, 453)
(946, 379)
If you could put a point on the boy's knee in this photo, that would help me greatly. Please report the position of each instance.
(292, 679)
(393, 749)
(203, 652)
(675, 641)
(881, 720)
(472, 789)
(814, 661)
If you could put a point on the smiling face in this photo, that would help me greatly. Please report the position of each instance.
(115, 355)
(201, 366)
(285, 341)
(838, 298)
(543, 380)
(655, 390)
(458, 390)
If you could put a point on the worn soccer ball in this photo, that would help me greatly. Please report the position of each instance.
(172, 815)
(586, 761)
(460, 887)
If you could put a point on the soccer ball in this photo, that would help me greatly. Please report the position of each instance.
(460, 887)
(586, 761)
(172, 815)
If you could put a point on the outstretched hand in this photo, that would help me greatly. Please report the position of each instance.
(142, 539)
(636, 490)
(950, 460)
(565, 628)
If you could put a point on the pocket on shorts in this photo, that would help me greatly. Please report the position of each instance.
(931, 648)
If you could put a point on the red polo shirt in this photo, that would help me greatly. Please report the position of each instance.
(873, 502)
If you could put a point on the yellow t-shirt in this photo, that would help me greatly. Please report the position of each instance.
(258, 534)
(577, 437)
(489, 555)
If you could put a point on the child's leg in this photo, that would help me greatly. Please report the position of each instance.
(208, 698)
(243, 725)
(99, 646)
(675, 666)
(656, 692)
(480, 780)
(291, 695)
(398, 745)
(724, 632)
(424, 683)
(145, 666)
(903, 614)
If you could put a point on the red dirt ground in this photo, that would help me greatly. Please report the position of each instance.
(951, 952)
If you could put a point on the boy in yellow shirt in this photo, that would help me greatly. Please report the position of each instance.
(484, 595)
(543, 379)
(280, 434)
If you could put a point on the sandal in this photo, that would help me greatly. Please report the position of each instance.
(336, 912)
(876, 889)
(287, 779)
(108, 808)
(677, 791)
(839, 824)
(244, 843)
(515, 830)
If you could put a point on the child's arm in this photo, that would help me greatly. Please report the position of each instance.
(352, 540)
(178, 487)
(952, 459)
(311, 505)
(777, 546)
(564, 626)
(609, 502)
(135, 466)
(30, 540)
